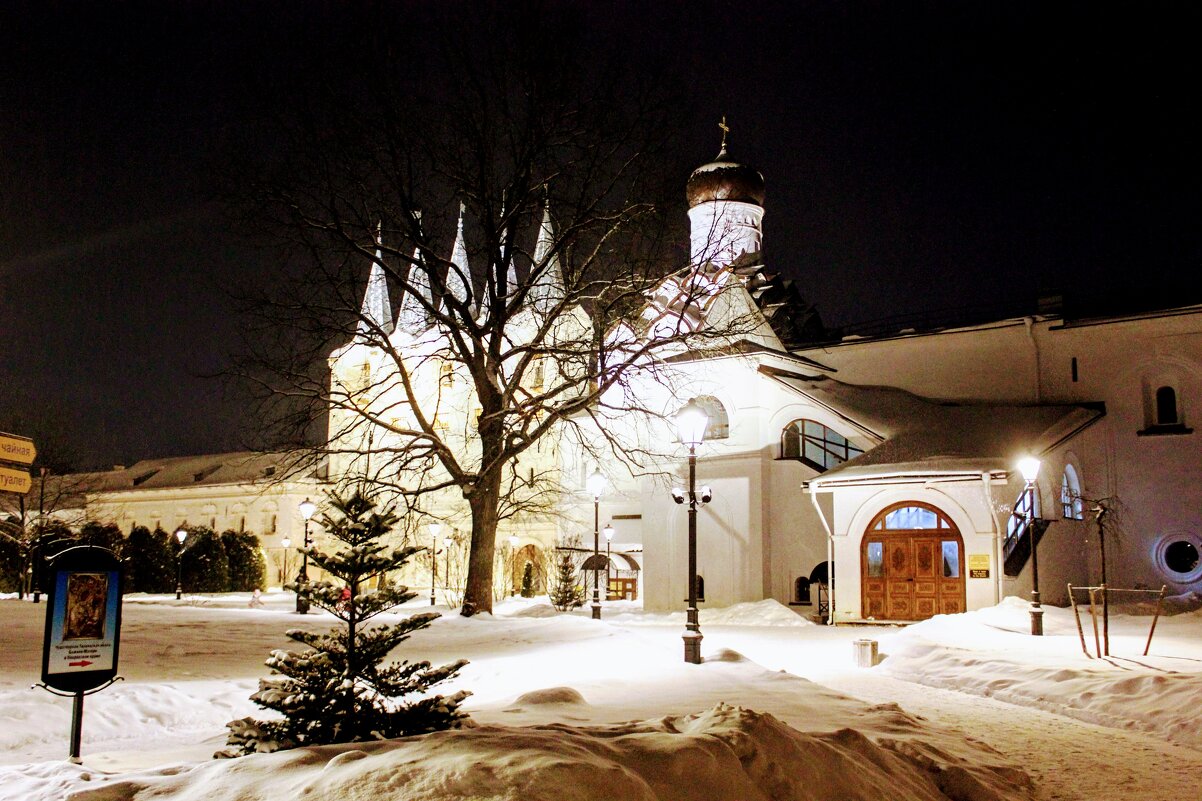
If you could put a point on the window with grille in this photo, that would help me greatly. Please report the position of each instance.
(816, 445)
(1070, 495)
(911, 518)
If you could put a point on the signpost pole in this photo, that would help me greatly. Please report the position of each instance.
(76, 726)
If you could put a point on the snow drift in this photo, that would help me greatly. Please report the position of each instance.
(990, 653)
(723, 754)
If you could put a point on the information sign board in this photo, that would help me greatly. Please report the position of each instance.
(14, 480)
(17, 449)
(978, 565)
(83, 619)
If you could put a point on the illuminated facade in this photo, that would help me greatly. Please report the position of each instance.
(872, 476)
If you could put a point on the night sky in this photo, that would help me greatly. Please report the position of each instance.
(918, 157)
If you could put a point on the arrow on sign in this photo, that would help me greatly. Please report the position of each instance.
(80, 663)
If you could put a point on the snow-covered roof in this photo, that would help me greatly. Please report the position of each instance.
(930, 437)
(743, 347)
(241, 467)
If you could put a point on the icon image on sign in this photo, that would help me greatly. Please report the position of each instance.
(87, 595)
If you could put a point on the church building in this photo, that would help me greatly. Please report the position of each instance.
(880, 475)
(856, 478)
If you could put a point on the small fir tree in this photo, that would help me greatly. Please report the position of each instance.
(149, 562)
(206, 568)
(10, 565)
(102, 536)
(564, 593)
(338, 690)
(527, 590)
(248, 569)
(170, 550)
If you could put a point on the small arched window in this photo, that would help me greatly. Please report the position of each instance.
(1166, 407)
(718, 426)
(816, 445)
(700, 587)
(1071, 505)
(801, 591)
(911, 518)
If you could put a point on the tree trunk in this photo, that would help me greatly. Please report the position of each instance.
(484, 502)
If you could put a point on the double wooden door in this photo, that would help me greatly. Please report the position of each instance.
(912, 575)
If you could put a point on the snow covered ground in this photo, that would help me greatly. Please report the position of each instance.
(569, 708)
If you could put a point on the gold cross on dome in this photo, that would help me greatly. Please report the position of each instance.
(725, 130)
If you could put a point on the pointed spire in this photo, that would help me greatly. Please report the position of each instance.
(376, 306)
(459, 273)
(413, 316)
(511, 272)
(511, 275)
(548, 288)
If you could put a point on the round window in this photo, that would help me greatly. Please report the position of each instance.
(1179, 557)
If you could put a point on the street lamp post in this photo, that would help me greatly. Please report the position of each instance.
(1029, 467)
(35, 577)
(180, 535)
(513, 553)
(307, 509)
(609, 538)
(596, 484)
(447, 542)
(690, 425)
(285, 542)
(434, 527)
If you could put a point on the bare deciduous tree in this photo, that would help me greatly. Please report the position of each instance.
(562, 291)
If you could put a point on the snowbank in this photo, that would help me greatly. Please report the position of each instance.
(723, 754)
(990, 652)
(768, 612)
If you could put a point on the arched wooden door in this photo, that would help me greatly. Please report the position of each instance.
(911, 564)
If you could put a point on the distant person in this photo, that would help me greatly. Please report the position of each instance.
(256, 599)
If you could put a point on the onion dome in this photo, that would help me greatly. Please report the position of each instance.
(725, 179)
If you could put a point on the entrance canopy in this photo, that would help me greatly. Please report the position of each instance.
(616, 562)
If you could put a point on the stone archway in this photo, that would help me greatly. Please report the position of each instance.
(529, 555)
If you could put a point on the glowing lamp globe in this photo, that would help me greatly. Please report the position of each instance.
(435, 529)
(595, 484)
(690, 424)
(181, 535)
(1029, 467)
(608, 531)
(307, 508)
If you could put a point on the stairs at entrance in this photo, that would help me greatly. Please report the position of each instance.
(1018, 547)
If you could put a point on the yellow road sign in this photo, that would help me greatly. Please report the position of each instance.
(12, 480)
(18, 449)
